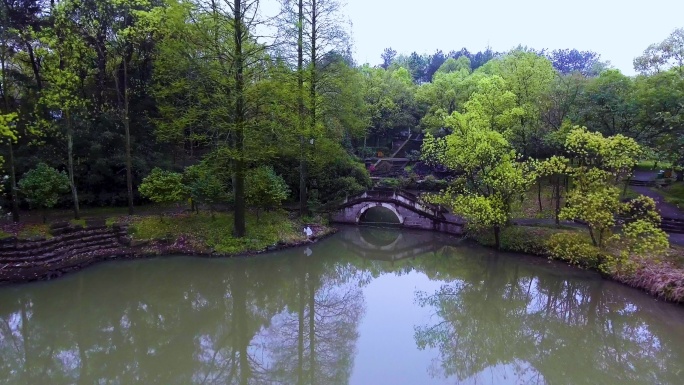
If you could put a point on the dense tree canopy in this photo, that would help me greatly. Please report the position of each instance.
(108, 91)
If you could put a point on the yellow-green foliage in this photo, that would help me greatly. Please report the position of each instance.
(78, 222)
(575, 248)
(643, 237)
(493, 175)
(480, 211)
(216, 235)
(616, 153)
(594, 201)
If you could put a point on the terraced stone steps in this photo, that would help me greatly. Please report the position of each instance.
(71, 248)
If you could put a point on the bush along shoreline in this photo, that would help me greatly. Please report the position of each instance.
(47, 252)
(659, 274)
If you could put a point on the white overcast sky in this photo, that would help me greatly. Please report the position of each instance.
(617, 30)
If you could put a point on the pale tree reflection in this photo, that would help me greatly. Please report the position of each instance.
(313, 340)
(503, 319)
(179, 323)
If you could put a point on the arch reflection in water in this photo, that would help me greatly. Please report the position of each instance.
(390, 244)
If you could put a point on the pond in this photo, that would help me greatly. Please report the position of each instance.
(365, 306)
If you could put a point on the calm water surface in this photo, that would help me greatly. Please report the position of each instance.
(366, 306)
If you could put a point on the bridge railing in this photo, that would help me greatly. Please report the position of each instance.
(388, 193)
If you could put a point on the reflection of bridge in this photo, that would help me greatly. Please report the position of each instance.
(408, 208)
(389, 244)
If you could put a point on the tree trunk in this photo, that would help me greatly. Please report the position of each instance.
(34, 66)
(13, 184)
(239, 228)
(558, 200)
(127, 128)
(539, 197)
(497, 237)
(303, 198)
(70, 155)
(314, 79)
(593, 237)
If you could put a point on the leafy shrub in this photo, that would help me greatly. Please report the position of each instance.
(413, 155)
(518, 239)
(341, 177)
(163, 186)
(42, 186)
(431, 183)
(389, 183)
(574, 248)
(265, 189)
(409, 182)
(203, 186)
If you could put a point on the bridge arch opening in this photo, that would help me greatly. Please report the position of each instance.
(380, 214)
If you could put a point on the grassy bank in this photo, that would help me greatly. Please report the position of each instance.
(202, 233)
(674, 194)
(661, 276)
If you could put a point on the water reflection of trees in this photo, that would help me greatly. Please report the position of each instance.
(502, 314)
(293, 319)
(153, 323)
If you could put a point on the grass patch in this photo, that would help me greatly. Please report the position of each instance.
(78, 222)
(205, 233)
(33, 231)
(650, 164)
(529, 206)
(674, 194)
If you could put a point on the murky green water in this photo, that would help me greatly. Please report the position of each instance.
(346, 310)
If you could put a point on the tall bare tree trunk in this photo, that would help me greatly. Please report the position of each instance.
(314, 59)
(539, 194)
(303, 198)
(70, 160)
(127, 128)
(13, 184)
(239, 228)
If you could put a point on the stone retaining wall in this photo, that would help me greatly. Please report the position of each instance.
(70, 248)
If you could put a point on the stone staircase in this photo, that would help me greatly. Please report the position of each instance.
(397, 146)
(672, 225)
(71, 248)
(645, 183)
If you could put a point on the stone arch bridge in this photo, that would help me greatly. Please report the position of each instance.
(409, 210)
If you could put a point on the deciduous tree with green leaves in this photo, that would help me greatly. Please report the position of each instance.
(42, 187)
(203, 186)
(265, 188)
(162, 186)
(557, 169)
(493, 176)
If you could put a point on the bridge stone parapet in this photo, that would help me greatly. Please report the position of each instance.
(408, 208)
